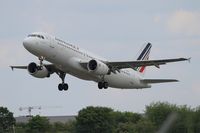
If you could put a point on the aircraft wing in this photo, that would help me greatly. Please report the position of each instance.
(18, 67)
(154, 81)
(139, 63)
(52, 68)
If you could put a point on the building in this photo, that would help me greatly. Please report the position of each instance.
(52, 119)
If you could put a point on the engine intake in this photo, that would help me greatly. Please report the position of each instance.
(98, 67)
(32, 68)
(92, 65)
(37, 71)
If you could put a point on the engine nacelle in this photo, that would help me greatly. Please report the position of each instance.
(36, 71)
(98, 67)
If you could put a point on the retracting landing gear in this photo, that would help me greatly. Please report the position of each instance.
(62, 86)
(41, 58)
(103, 85)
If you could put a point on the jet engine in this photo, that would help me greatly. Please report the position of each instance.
(98, 67)
(38, 71)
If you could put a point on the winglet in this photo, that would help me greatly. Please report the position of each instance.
(189, 59)
(12, 68)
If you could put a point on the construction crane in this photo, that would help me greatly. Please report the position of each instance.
(30, 108)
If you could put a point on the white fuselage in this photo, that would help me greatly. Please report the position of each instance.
(68, 57)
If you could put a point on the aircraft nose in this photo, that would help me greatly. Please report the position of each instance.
(27, 43)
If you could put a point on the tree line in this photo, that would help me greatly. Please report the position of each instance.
(159, 117)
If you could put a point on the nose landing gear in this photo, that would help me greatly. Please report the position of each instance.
(41, 58)
(62, 86)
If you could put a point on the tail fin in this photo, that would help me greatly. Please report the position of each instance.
(144, 56)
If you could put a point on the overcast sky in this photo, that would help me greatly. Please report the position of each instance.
(113, 29)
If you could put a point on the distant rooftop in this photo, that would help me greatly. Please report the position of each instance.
(52, 119)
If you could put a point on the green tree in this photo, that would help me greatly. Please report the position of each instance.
(126, 127)
(158, 112)
(7, 121)
(38, 124)
(70, 127)
(58, 126)
(196, 120)
(105, 120)
(144, 126)
(123, 117)
(94, 120)
(20, 127)
(185, 122)
(124, 122)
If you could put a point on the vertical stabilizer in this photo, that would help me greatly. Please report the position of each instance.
(144, 55)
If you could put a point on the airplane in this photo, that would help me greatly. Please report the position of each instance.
(65, 58)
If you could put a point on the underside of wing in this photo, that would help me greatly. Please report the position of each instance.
(133, 64)
(154, 81)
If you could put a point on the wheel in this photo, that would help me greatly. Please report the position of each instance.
(100, 85)
(105, 85)
(65, 87)
(60, 87)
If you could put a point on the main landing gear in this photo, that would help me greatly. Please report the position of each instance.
(62, 86)
(103, 85)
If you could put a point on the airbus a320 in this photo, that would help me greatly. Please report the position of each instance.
(65, 58)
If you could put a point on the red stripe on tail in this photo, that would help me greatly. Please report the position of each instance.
(142, 69)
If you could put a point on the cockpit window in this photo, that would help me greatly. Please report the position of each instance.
(35, 35)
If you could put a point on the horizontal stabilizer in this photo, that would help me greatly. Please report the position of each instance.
(154, 81)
